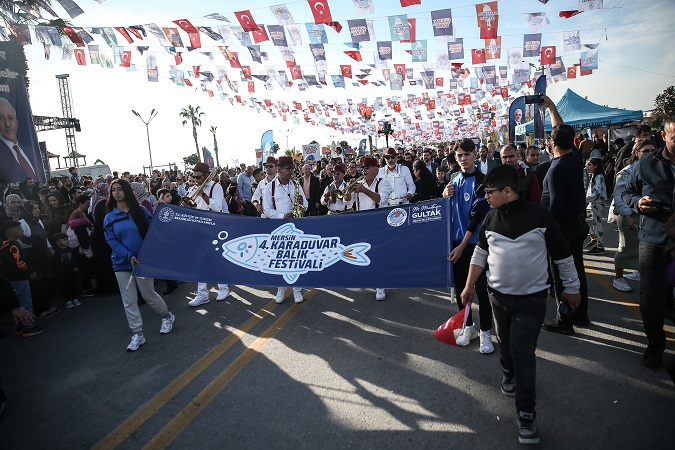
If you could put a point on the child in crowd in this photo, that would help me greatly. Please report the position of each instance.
(17, 270)
(596, 194)
(164, 196)
(65, 269)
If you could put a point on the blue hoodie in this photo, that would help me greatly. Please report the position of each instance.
(123, 238)
(468, 205)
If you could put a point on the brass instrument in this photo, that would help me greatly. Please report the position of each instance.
(332, 193)
(350, 187)
(298, 209)
(189, 200)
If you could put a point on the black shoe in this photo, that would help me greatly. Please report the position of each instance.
(597, 250)
(558, 325)
(88, 293)
(508, 384)
(30, 331)
(527, 430)
(590, 243)
(581, 321)
(654, 355)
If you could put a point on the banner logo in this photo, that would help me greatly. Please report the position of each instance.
(289, 252)
(397, 217)
(166, 215)
(425, 213)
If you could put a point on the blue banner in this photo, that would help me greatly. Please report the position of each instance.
(517, 120)
(208, 158)
(397, 247)
(267, 144)
(539, 110)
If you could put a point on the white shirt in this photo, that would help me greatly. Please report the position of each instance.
(400, 180)
(483, 166)
(283, 198)
(363, 202)
(340, 204)
(257, 195)
(217, 199)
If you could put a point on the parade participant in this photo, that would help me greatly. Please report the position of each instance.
(351, 172)
(311, 187)
(372, 192)
(271, 172)
(278, 200)
(125, 227)
(484, 163)
(468, 205)
(400, 179)
(210, 197)
(596, 195)
(245, 182)
(529, 183)
(330, 200)
(516, 230)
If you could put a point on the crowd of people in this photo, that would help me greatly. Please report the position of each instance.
(78, 237)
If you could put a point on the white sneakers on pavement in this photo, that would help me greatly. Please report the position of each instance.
(167, 324)
(136, 341)
(379, 294)
(198, 300)
(297, 296)
(223, 293)
(621, 285)
(467, 336)
(635, 276)
(281, 293)
(486, 346)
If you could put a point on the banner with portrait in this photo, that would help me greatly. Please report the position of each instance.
(517, 120)
(539, 111)
(20, 156)
(384, 247)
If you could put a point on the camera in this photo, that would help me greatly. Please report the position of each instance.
(530, 99)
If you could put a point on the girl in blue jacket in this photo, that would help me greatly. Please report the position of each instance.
(125, 226)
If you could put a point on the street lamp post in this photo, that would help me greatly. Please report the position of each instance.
(153, 114)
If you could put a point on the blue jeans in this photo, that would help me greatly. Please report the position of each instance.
(22, 289)
(518, 321)
(654, 291)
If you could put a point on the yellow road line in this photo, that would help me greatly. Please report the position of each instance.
(167, 434)
(122, 432)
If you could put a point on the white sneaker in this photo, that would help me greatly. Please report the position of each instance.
(136, 341)
(69, 305)
(198, 300)
(167, 324)
(467, 335)
(621, 285)
(297, 296)
(486, 343)
(76, 302)
(281, 293)
(379, 294)
(635, 276)
(223, 293)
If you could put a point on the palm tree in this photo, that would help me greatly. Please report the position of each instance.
(215, 143)
(193, 116)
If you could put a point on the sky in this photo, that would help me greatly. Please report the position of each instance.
(635, 66)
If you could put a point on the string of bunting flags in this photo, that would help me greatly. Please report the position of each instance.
(433, 94)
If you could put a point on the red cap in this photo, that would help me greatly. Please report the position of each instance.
(285, 161)
(271, 160)
(339, 168)
(202, 167)
(369, 161)
(390, 152)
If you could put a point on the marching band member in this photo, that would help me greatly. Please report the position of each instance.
(370, 193)
(278, 200)
(209, 198)
(400, 179)
(337, 205)
(271, 171)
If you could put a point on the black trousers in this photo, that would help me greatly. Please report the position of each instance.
(518, 322)
(460, 271)
(655, 291)
(575, 232)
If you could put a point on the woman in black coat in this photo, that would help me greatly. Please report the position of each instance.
(425, 184)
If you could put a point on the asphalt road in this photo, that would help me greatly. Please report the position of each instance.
(337, 371)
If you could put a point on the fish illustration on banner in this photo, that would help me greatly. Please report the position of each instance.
(289, 252)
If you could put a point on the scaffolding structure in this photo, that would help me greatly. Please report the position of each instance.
(67, 109)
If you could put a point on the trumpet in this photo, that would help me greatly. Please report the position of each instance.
(350, 187)
(190, 200)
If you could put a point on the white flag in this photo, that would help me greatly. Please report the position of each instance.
(363, 7)
(571, 41)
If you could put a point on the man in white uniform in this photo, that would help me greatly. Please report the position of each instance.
(372, 192)
(271, 171)
(278, 203)
(399, 178)
(209, 198)
(339, 204)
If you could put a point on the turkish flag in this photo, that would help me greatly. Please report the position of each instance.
(237, 98)
(260, 35)
(188, 83)
(320, 11)
(80, 57)
(405, 3)
(467, 99)
(397, 107)
(400, 68)
(478, 56)
(135, 32)
(234, 60)
(73, 36)
(123, 31)
(251, 87)
(246, 20)
(191, 30)
(568, 14)
(346, 70)
(412, 25)
(195, 69)
(312, 109)
(296, 72)
(571, 72)
(179, 58)
(431, 104)
(210, 93)
(548, 55)
(246, 70)
(488, 32)
(268, 102)
(439, 82)
(504, 91)
(126, 59)
(363, 82)
(353, 54)
(336, 26)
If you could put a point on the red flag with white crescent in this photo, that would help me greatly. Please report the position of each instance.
(346, 70)
(478, 56)
(320, 11)
(126, 59)
(571, 72)
(246, 20)
(296, 72)
(548, 55)
(125, 34)
(80, 57)
(191, 30)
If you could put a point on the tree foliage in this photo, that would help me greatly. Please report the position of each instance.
(193, 116)
(665, 106)
(191, 160)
